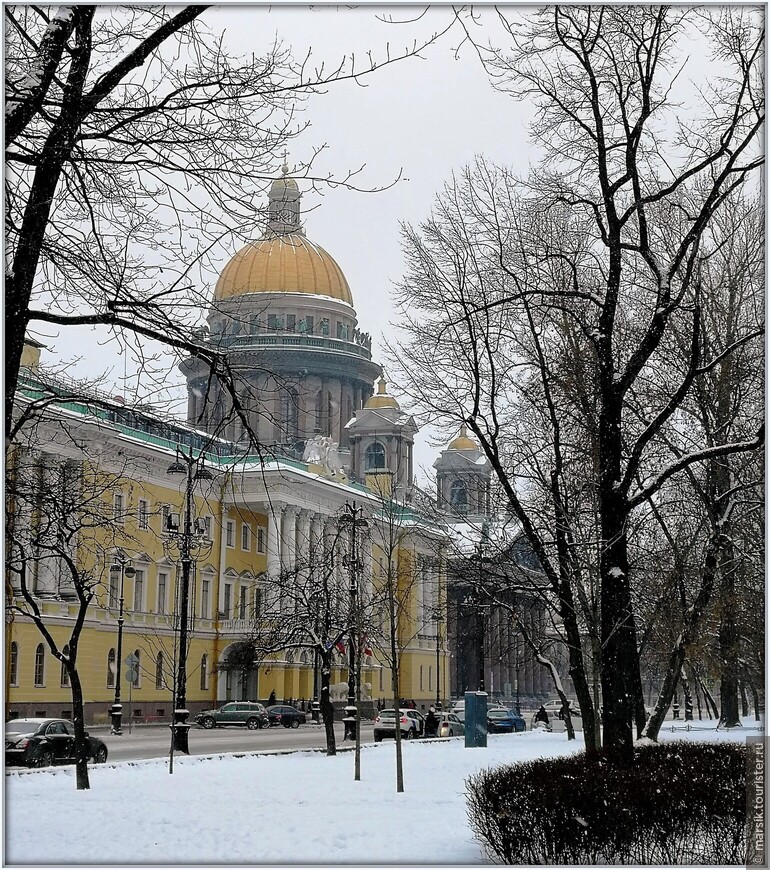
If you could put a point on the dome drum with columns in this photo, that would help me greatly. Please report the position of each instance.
(283, 310)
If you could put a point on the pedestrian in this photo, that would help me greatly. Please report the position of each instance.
(542, 715)
(271, 699)
(412, 705)
(431, 723)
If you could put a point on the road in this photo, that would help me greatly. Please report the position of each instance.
(153, 741)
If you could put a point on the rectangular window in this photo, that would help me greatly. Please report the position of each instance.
(205, 591)
(165, 512)
(118, 505)
(261, 539)
(309, 322)
(272, 322)
(230, 533)
(257, 602)
(291, 322)
(208, 522)
(114, 587)
(246, 537)
(243, 603)
(139, 592)
(382, 678)
(143, 515)
(162, 591)
(228, 601)
(430, 677)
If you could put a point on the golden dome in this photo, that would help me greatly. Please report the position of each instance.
(463, 442)
(381, 399)
(283, 264)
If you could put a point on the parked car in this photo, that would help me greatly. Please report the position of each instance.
(411, 722)
(554, 707)
(249, 713)
(451, 725)
(458, 708)
(502, 721)
(283, 714)
(42, 742)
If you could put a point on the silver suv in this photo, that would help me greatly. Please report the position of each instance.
(412, 724)
(249, 713)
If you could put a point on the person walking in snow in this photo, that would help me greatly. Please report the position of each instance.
(271, 699)
(431, 723)
(542, 716)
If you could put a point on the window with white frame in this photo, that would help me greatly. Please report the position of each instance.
(138, 680)
(143, 514)
(421, 669)
(65, 674)
(243, 603)
(246, 537)
(139, 592)
(40, 665)
(114, 591)
(230, 533)
(118, 507)
(165, 513)
(208, 524)
(159, 671)
(14, 664)
(227, 600)
(111, 669)
(162, 591)
(261, 539)
(257, 602)
(204, 671)
(205, 595)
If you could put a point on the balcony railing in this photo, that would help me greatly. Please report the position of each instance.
(309, 342)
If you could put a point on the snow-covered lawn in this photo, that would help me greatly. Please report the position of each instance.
(302, 808)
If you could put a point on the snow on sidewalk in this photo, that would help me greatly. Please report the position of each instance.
(303, 808)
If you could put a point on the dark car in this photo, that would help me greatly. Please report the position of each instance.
(249, 713)
(42, 742)
(283, 714)
(500, 721)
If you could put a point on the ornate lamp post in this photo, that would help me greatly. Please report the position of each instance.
(186, 539)
(352, 519)
(123, 568)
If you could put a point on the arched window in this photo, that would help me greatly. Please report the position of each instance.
(290, 413)
(111, 669)
(159, 671)
(65, 677)
(14, 664)
(204, 671)
(374, 457)
(40, 665)
(458, 496)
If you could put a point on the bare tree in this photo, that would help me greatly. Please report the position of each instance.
(608, 233)
(60, 528)
(133, 145)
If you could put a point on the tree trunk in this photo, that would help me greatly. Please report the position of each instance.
(710, 699)
(327, 708)
(687, 695)
(744, 700)
(81, 741)
(755, 697)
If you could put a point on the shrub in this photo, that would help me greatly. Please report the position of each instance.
(679, 803)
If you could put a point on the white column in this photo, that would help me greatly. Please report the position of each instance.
(274, 514)
(48, 564)
(304, 544)
(289, 538)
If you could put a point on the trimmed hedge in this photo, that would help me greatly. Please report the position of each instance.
(680, 803)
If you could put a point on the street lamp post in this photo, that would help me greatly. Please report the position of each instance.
(187, 540)
(121, 566)
(352, 519)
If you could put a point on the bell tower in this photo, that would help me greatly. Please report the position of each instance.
(381, 445)
(463, 476)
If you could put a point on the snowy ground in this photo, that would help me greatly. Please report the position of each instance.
(302, 808)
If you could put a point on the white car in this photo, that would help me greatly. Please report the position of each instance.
(412, 724)
(553, 708)
(451, 725)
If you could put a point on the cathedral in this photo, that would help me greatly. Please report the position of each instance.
(316, 429)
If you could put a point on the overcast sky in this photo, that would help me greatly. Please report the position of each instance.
(422, 117)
